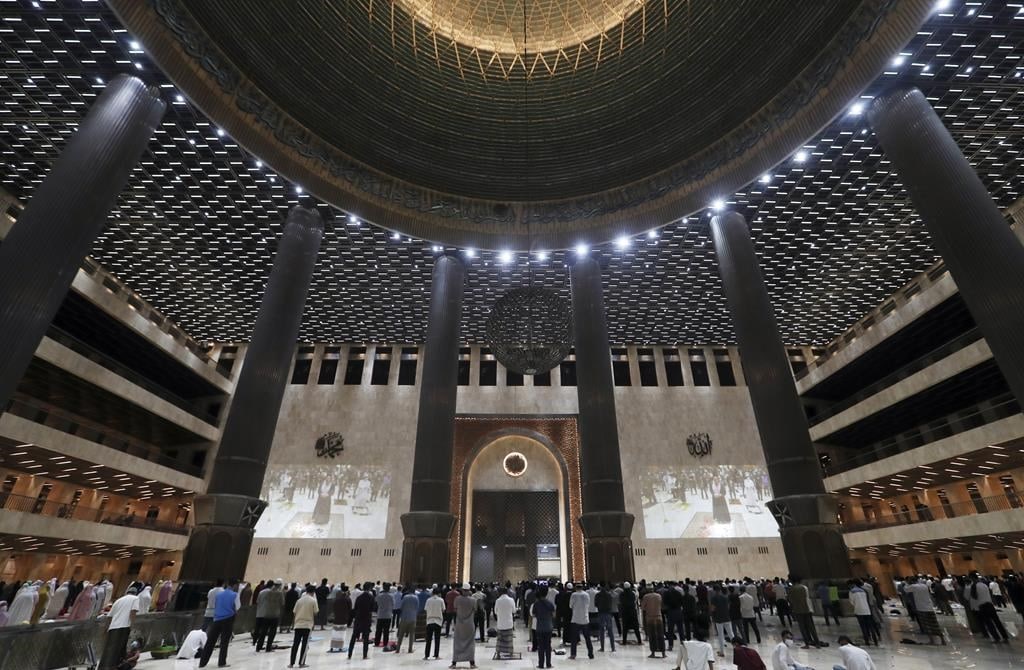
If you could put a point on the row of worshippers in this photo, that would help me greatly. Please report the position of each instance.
(31, 602)
(925, 596)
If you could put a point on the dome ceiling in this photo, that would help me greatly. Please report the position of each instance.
(510, 123)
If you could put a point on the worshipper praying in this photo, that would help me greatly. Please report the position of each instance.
(464, 644)
(854, 658)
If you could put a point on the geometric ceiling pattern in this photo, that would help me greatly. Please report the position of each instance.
(195, 231)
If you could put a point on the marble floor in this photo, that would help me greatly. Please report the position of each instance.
(963, 651)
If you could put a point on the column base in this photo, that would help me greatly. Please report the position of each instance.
(220, 542)
(811, 536)
(425, 551)
(608, 546)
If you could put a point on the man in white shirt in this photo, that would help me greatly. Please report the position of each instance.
(579, 603)
(211, 600)
(122, 617)
(854, 658)
(782, 655)
(434, 611)
(504, 611)
(193, 644)
(749, 616)
(695, 654)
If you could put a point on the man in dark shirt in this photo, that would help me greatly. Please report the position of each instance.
(362, 619)
(735, 614)
(563, 613)
(672, 601)
(745, 658)
(720, 616)
(322, 592)
(690, 612)
(605, 622)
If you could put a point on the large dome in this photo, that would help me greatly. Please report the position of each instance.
(510, 123)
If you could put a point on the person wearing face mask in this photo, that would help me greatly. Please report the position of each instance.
(782, 655)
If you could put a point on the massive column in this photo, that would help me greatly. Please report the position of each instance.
(606, 525)
(806, 514)
(225, 516)
(982, 253)
(42, 252)
(429, 522)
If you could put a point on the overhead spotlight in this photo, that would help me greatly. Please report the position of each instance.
(717, 205)
(99, 80)
(582, 249)
(856, 109)
(437, 249)
(298, 189)
(943, 5)
(179, 98)
(259, 164)
(396, 236)
(505, 257)
(542, 255)
(470, 253)
(621, 242)
(898, 60)
(651, 234)
(220, 132)
(800, 157)
(135, 45)
(765, 178)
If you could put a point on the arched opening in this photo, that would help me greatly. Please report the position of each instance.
(516, 512)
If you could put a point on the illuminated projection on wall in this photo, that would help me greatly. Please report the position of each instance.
(325, 501)
(707, 501)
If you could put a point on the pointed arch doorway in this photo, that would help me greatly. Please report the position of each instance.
(516, 495)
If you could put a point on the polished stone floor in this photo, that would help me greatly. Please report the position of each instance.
(963, 651)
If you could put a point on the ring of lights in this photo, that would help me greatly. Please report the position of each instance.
(514, 464)
(457, 174)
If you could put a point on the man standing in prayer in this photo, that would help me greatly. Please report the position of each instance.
(464, 645)
(504, 610)
(434, 609)
(224, 610)
(800, 603)
(654, 626)
(579, 603)
(268, 613)
(920, 591)
(362, 618)
(306, 609)
(408, 609)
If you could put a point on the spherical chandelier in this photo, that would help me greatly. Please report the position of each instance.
(530, 329)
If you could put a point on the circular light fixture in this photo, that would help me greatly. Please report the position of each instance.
(514, 464)
(530, 329)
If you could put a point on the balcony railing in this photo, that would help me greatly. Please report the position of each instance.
(918, 364)
(997, 408)
(83, 349)
(73, 424)
(924, 513)
(69, 510)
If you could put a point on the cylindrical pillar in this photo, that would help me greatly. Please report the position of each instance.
(806, 515)
(225, 516)
(428, 524)
(606, 525)
(43, 251)
(982, 253)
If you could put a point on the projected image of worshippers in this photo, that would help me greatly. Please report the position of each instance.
(707, 501)
(325, 501)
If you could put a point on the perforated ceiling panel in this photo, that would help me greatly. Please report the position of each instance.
(195, 231)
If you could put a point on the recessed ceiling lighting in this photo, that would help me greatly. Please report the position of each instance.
(621, 242)
(717, 205)
(582, 249)
(470, 253)
(800, 156)
(505, 257)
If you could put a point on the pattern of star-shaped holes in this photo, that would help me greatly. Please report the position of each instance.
(195, 230)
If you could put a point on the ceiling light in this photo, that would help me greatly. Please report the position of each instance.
(298, 189)
(505, 257)
(582, 249)
(942, 5)
(800, 157)
(765, 178)
(352, 218)
(857, 108)
(621, 242)
(135, 45)
(436, 249)
(470, 253)
(717, 205)
(542, 255)
(651, 234)
(220, 132)
(898, 60)
(396, 236)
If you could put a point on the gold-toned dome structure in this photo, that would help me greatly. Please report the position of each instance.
(424, 116)
(518, 26)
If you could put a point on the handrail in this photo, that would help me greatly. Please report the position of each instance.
(925, 513)
(83, 349)
(994, 409)
(98, 433)
(67, 510)
(916, 365)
